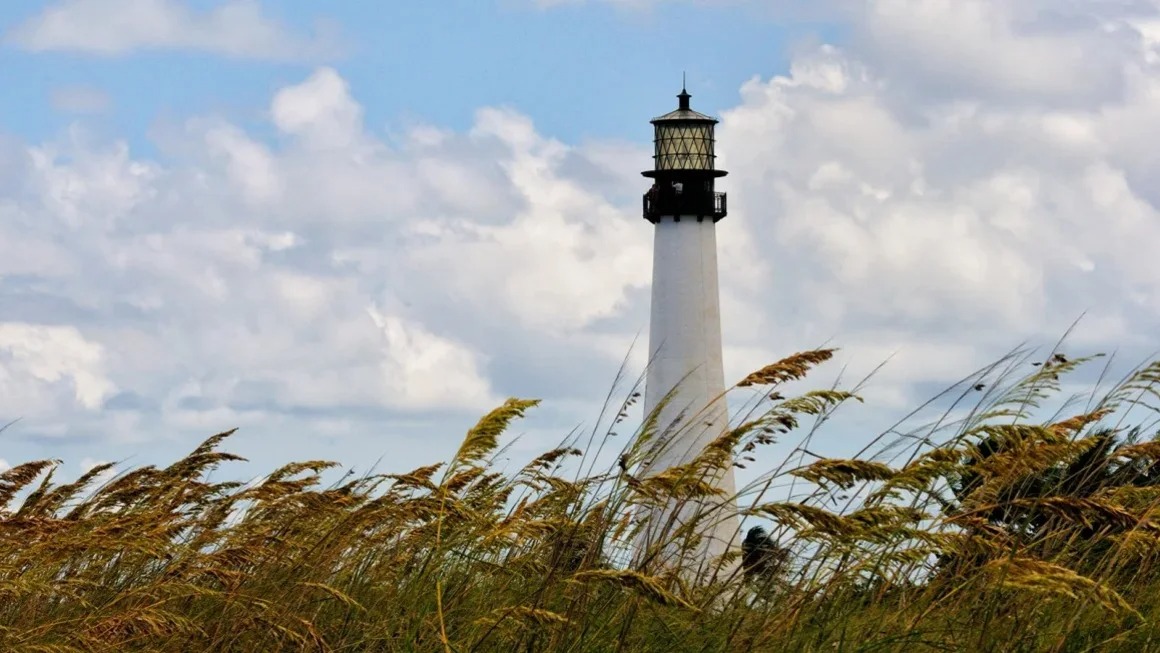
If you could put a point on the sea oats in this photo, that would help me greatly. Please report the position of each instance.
(933, 544)
(790, 368)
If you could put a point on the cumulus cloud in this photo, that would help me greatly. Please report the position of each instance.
(320, 111)
(426, 371)
(1066, 54)
(893, 199)
(236, 28)
(329, 280)
(48, 365)
(918, 192)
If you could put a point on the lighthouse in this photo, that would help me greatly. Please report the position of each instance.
(685, 330)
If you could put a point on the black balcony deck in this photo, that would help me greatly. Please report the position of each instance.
(700, 205)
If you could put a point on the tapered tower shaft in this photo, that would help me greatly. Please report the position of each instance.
(685, 363)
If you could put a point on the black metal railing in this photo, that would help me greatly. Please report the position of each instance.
(700, 205)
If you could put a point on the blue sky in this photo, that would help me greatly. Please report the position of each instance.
(582, 71)
(352, 228)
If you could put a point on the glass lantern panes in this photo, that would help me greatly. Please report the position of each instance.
(687, 146)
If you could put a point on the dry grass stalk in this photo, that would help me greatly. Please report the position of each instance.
(934, 550)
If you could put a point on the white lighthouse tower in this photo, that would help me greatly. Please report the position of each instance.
(685, 328)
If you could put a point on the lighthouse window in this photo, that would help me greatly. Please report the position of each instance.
(684, 147)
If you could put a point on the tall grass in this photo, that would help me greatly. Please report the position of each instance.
(992, 529)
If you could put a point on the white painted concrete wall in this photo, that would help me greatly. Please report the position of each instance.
(685, 349)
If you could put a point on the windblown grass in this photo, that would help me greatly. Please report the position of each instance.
(990, 530)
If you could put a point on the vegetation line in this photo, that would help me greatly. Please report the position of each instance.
(1027, 522)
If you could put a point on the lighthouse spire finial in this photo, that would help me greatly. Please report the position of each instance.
(684, 96)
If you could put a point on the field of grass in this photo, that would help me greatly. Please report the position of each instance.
(992, 530)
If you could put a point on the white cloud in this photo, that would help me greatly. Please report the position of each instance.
(917, 195)
(331, 282)
(423, 370)
(47, 365)
(1031, 51)
(563, 260)
(236, 28)
(240, 283)
(320, 111)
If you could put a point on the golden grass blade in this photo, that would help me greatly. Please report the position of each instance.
(1047, 578)
(483, 438)
(790, 368)
(844, 473)
(14, 480)
(649, 587)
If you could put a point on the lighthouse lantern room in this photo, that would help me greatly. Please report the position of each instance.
(684, 169)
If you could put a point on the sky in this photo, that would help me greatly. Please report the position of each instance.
(349, 229)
